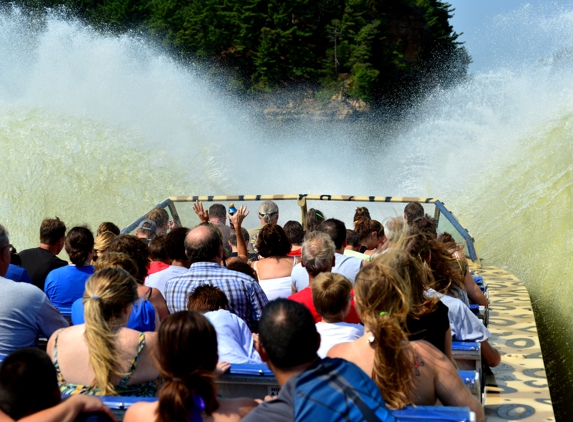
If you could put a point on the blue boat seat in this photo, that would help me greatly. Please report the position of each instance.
(434, 413)
(67, 314)
(248, 380)
(257, 381)
(472, 381)
(119, 405)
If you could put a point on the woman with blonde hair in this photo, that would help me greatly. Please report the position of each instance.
(189, 393)
(102, 356)
(459, 262)
(102, 242)
(427, 317)
(143, 316)
(406, 373)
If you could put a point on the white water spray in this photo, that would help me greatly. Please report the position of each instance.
(97, 127)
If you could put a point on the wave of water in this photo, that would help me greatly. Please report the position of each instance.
(96, 127)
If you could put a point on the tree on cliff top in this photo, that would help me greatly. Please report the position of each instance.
(368, 49)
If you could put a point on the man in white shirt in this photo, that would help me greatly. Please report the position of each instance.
(175, 249)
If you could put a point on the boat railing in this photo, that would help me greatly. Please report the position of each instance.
(440, 209)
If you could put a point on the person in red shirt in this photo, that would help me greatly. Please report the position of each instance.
(158, 255)
(318, 257)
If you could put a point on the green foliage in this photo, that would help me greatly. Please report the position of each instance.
(359, 48)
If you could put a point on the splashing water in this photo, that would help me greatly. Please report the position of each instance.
(97, 127)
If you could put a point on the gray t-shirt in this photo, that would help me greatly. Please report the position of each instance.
(25, 313)
(348, 266)
(280, 409)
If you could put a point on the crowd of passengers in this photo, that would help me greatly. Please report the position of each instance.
(163, 312)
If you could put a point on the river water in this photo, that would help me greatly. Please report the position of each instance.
(96, 127)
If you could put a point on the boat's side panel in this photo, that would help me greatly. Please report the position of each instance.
(518, 388)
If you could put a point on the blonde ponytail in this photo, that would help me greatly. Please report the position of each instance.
(383, 299)
(107, 294)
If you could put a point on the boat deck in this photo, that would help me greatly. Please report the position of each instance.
(518, 388)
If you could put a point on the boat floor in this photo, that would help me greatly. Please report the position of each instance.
(517, 389)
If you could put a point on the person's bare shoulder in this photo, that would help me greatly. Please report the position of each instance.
(232, 410)
(339, 351)
(425, 349)
(150, 337)
(141, 412)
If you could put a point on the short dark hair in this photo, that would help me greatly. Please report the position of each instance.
(52, 230)
(242, 267)
(79, 243)
(287, 332)
(207, 298)
(22, 370)
(136, 249)
(336, 229)
(272, 241)
(352, 238)
(413, 211)
(233, 236)
(207, 248)
(175, 243)
(156, 249)
(218, 211)
(294, 232)
(108, 226)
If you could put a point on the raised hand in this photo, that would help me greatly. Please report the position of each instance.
(201, 213)
(239, 216)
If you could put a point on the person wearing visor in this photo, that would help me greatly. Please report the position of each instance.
(268, 213)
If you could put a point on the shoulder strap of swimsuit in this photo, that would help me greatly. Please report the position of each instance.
(56, 363)
(140, 347)
(149, 293)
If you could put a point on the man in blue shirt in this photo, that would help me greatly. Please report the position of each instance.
(204, 248)
(311, 388)
(25, 311)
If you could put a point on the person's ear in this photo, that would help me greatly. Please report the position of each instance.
(259, 348)
(346, 309)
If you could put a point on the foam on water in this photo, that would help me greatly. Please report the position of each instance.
(96, 127)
